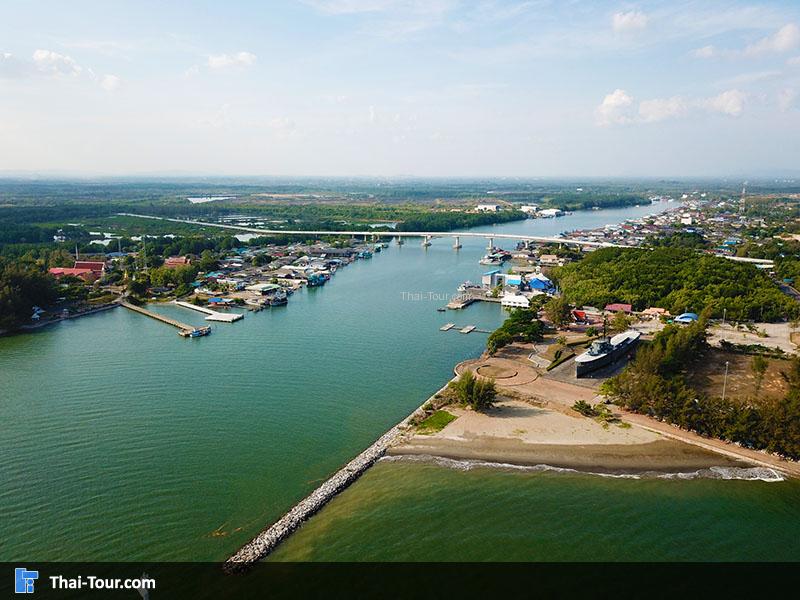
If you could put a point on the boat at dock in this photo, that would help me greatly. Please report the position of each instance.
(468, 285)
(605, 352)
(197, 332)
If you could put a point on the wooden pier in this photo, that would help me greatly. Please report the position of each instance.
(183, 329)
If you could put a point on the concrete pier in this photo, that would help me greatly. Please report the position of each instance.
(212, 315)
(185, 330)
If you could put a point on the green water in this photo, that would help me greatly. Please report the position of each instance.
(122, 441)
(410, 511)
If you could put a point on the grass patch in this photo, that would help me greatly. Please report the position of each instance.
(436, 422)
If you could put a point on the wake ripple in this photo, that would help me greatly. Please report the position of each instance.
(722, 473)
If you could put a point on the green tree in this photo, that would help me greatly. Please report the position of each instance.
(620, 322)
(557, 311)
(759, 366)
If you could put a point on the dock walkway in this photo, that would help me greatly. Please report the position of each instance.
(185, 330)
(212, 315)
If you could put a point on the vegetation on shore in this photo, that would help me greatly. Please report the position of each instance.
(479, 393)
(522, 325)
(22, 286)
(677, 279)
(435, 422)
(656, 384)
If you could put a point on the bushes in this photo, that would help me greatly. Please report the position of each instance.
(479, 393)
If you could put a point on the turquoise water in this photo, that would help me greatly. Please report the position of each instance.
(122, 441)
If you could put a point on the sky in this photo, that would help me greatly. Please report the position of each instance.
(400, 87)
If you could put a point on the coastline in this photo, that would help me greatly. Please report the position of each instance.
(516, 433)
(27, 328)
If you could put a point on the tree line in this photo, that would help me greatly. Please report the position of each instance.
(655, 384)
(677, 279)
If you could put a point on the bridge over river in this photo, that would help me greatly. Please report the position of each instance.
(426, 236)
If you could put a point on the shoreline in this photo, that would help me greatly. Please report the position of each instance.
(32, 327)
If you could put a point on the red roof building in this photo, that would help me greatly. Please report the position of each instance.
(96, 266)
(617, 306)
(87, 275)
(174, 262)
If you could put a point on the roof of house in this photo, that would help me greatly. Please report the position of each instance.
(69, 271)
(94, 265)
(619, 306)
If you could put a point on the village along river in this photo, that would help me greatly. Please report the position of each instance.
(122, 441)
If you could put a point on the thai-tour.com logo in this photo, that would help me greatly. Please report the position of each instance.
(24, 580)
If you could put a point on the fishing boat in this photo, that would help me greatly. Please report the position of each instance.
(605, 352)
(279, 298)
(468, 285)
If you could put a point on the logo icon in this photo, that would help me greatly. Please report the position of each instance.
(23, 580)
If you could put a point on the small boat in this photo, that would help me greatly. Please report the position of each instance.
(441, 309)
(199, 332)
(490, 260)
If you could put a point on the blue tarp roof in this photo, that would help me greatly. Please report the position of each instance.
(686, 317)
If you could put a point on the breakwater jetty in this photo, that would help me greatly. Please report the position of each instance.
(265, 542)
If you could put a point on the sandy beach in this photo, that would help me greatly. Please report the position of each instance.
(515, 432)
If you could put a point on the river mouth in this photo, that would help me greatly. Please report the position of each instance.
(129, 428)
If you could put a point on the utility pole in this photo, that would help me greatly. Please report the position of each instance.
(724, 312)
(725, 381)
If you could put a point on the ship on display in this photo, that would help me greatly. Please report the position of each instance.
(605, 352)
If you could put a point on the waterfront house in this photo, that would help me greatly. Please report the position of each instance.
(487, 208)
(512, 300)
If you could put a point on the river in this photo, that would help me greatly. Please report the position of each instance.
(123, 441)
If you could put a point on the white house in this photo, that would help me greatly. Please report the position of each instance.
(514, 301)
(529, 209)
(487, 208)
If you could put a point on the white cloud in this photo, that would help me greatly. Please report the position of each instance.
(786, 99)
(729, 102)
(372, 115)
(785, 39)
(56, 64)
(615, 109)
(705, 52)
(659, 109)
(795, 60)
(620, 108)
(224, 61)
(624, 22)
(110, 83)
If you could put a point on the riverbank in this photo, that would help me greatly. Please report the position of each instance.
(36, 326)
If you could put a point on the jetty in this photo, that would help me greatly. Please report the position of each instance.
(183, 329)
(468, 329)
(447, 327)
(212, 315)
(265, 542)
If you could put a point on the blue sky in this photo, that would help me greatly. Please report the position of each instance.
(400, 87)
